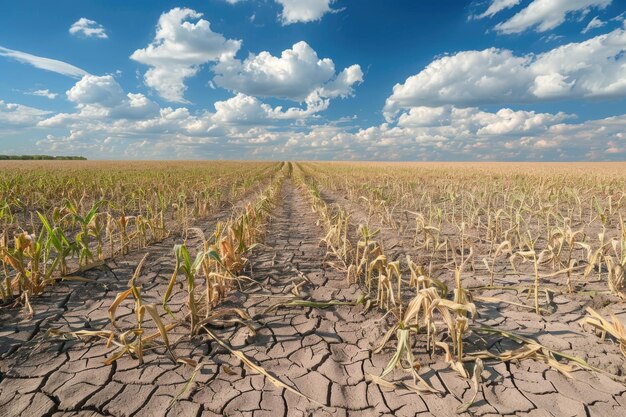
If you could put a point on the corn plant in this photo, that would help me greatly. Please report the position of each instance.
(57, 239)
(367, 251)
(90, 226)
(133, 341)
(25, 258)
(190, 270)
(531, 254)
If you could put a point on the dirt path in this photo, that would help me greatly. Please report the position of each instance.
(325, 354)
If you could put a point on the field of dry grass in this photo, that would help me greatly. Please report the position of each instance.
(297, 289)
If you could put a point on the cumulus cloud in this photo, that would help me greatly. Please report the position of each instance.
(300, 11)
(43, 93)
(506, 122)
(244, 110)
(472, 134)
(93, 89)
(99, 98)
(481, 123)
(342, 85)
(298, 75)
(109, 120)
(243, 126)
(47, 64)
(88, 28)
(179, 48)
(240, 109)
(295, 11)
(468, 134)
(544, 15)
(101, 101)
(595, 68)
(497, 6)
(293, 75)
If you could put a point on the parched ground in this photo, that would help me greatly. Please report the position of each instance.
(323, 353)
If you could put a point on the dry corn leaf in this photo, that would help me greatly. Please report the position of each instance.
(152, 311)
(307, 303)
(476, 381)
(116, 303)
(278, 383)
(614, 328)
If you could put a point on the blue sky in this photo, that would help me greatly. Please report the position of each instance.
(315, 79)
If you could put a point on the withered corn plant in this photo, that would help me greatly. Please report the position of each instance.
(220, 262)
(130, 341)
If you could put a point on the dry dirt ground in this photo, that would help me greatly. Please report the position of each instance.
(323, 353)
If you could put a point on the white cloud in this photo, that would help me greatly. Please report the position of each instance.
(506, 122)
(497, 6)
(314, 104)
(109, 122)
(298, 75)
(18, 115)
(552, 37)
(455, 121)
(473, 134)
(99, 98)
(42, 93)
(618, 18)
(240, 109)
(179, 48)
(424, 116)
(544, 15)
(244, 127)
(342, 85)
(595, 68)
(440, 133)
(295, 11)
(48, 64)
(88, 28)
(466, 78)
(293, 75)
(93, 89)
(593, 24)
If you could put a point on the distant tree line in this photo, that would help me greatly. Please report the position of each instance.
(41, 158)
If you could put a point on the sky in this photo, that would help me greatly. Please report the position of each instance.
(397, 80)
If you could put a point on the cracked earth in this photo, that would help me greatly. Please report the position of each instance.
(323, 353)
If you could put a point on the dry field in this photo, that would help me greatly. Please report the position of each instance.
(312, 289)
